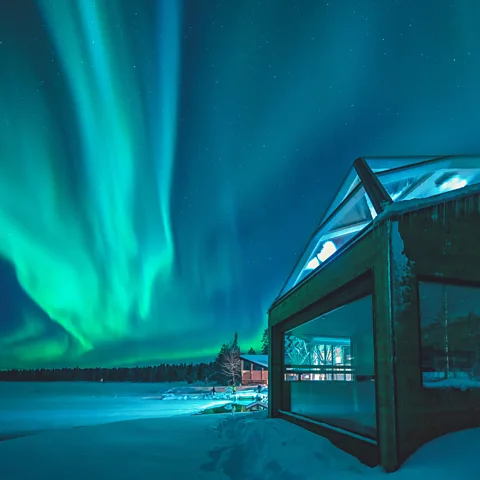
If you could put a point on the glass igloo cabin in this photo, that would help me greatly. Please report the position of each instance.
(375, 336)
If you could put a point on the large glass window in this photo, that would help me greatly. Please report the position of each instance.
(330, 368)
(450, 335)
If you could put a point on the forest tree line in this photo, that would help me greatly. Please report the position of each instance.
(225, 369)
(182, 372)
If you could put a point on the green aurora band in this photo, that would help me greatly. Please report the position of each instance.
(155, 156)
(91, 261)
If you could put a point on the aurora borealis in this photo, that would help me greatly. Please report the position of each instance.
(162, 163)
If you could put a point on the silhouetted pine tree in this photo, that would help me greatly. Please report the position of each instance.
(265, 342)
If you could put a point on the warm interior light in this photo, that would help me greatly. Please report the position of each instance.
(453, 183)
(312, 264)
(328, 250)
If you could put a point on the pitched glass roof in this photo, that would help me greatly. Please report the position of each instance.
(351, 211)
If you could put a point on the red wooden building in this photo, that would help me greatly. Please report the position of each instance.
(254, 369)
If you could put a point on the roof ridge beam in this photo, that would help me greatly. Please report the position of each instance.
(372, 185)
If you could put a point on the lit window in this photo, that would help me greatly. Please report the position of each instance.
(327, 251)
(453, 183)
(312, 264)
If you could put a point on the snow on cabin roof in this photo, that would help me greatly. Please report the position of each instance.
(261, 360)
(405, 180)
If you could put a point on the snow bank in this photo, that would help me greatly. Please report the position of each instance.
(462, 384)
(452, 456)
(255, 447)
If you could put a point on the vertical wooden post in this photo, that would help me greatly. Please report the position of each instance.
(385, 353)
(275, 365)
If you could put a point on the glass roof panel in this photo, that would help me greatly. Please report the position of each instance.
(350, 181)
(380, 164)
(352, 216)
(404, 178)
(432, 178)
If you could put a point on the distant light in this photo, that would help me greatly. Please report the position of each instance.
(328, 250)
(312, 264)
(453, 183)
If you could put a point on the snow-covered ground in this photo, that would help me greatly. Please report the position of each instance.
(245, 446)
(30, 407)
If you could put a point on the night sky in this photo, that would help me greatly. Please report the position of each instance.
(162, 164)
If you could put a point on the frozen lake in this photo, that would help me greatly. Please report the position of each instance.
(29, 407)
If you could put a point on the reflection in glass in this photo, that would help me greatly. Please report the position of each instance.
(329, 367)
(453, 183)
(450, 335)
(429, 180)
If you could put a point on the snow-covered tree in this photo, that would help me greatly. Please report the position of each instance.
(231, 366)
(228, 362)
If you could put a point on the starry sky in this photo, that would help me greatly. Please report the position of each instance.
(163, 163)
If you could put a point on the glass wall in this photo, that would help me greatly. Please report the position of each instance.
(450, 335)
(330, 368)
